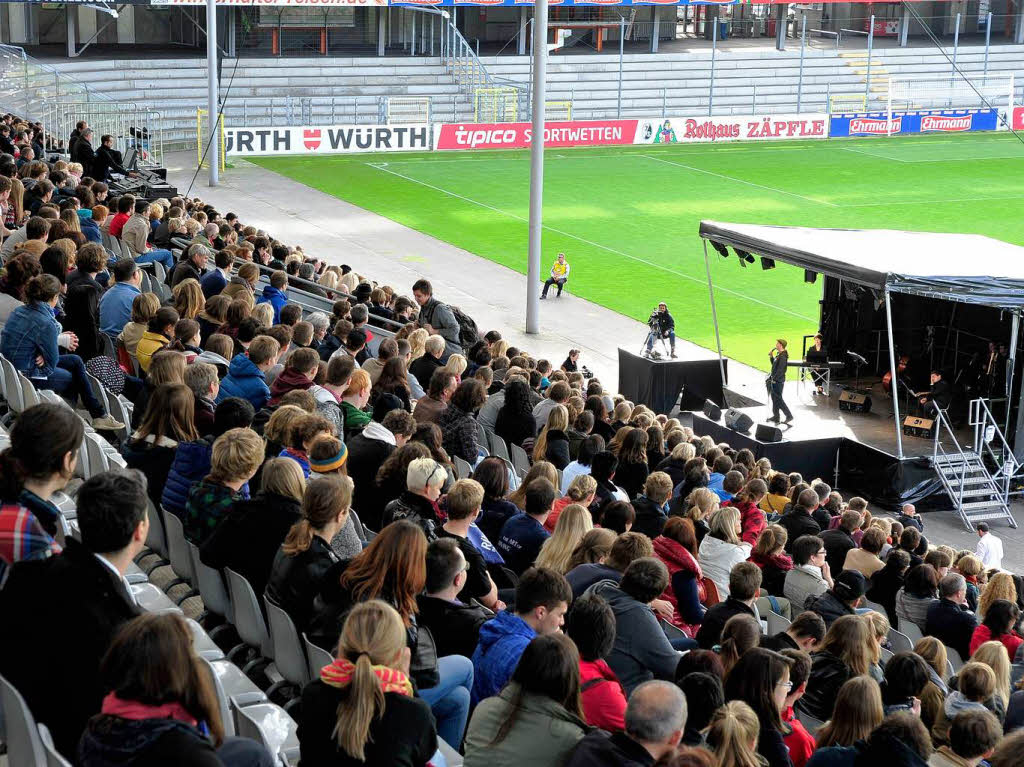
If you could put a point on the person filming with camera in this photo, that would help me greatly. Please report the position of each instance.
(662, 326)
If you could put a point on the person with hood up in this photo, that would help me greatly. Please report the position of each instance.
(274, 293)
(641, 651)
(842, 599)
(901, 740)
(541, 601)
(245, 376)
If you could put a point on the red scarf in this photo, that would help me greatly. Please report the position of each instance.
(133, 709)
(339, 674)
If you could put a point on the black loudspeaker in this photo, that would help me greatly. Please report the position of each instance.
(738, 421)
(711, 410)
(854, 401)
(918, 427)
(766, 433)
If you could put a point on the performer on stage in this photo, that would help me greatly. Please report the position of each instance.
(939, 397)
(818, 354)
(662, 324)
(779, 359)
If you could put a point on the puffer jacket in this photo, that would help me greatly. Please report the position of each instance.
(717, 558)
(502, 641)
(191, 463)
(245, 380)
(913, 609)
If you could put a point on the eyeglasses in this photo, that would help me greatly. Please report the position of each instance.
(786, 685)
(821, 553)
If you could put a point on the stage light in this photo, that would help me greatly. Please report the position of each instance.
(810, 276)
(744, 257)
(767, 263)
(722, 250)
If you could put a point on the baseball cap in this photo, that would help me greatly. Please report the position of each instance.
(850, 585)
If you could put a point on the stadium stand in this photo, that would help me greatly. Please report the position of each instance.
(131, 626)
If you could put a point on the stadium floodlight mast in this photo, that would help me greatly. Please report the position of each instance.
(540, 66)
(213, 148)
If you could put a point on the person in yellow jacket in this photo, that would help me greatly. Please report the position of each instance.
(559, 275)
(159, 334)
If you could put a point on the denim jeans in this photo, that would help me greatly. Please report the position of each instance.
(450, 699)
(165, 257)
(683, 643)
(671, 335)
(69, 377)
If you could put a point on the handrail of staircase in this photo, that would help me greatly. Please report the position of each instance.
(943, 423)
(18, 51)
(981, 418)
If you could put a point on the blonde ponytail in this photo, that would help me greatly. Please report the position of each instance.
(732, 735)
(373, 635)
(356, 713)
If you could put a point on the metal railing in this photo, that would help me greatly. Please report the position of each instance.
(987, 432)
(28, 85)
(940, 455)
(132, 126)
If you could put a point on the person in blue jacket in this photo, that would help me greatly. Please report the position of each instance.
(274, 293)
(246, 376)
(29, 341)
(192, 460)
(542, 597)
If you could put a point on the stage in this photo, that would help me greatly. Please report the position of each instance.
(853, 451)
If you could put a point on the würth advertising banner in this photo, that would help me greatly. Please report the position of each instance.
(519, 135)
(678, 130)
(326, 139)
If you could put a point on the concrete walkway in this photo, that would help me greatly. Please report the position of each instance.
(390, 253)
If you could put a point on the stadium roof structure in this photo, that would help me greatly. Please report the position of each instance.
(968, 268)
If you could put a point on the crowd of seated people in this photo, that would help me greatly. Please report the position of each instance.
(608, 606)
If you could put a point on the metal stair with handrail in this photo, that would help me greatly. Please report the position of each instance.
(977, 493)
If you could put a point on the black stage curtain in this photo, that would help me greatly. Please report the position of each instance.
(813, 458)
(657, 383)
(887, 481)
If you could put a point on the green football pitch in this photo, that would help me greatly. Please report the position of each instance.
(627, 217)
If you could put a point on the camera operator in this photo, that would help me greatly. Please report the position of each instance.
(662, 326)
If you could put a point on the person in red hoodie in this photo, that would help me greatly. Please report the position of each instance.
(677, 548)
(591, 625)
(752, 519)
(998, 625)
(799, 741)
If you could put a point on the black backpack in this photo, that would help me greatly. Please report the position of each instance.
(468, 333)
